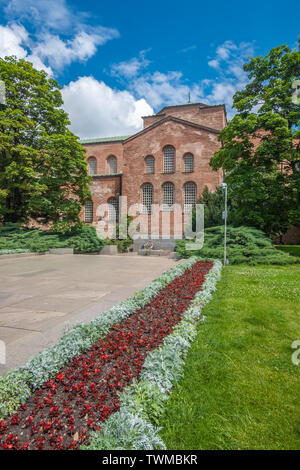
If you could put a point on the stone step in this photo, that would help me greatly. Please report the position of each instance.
(145, 252)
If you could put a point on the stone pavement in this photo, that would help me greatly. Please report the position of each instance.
(40, 294)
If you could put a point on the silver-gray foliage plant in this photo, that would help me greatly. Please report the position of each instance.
(163, 367)
(44, 366)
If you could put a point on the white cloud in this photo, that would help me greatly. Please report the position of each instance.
(49, 51)
(45, 20)
(14, 40)
(38, 64)
(170, 88)
(96, 110)
(225, 49)
(54, 14)
(229, 53)
(228, 63)
(132, 67)
(214, 63)
(11, 40)
(83, 46)
(165, 88)
(188, 49)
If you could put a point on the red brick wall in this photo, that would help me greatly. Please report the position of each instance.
(131, 157)
(102, 188)
(102, 151)
(200, 143)
(149, 120)
(211, 116)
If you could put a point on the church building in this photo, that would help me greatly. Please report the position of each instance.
(166, 163)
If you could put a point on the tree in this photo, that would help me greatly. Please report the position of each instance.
(260, 151)
(213, 207)
(43, 172)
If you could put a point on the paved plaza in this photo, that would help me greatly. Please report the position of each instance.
(39, 295)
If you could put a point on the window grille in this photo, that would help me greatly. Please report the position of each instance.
(113, 209)
(168, 196)
(149, 164)
(88, 211)
(92, 166)
(112, 164)
(169, 159)
(188, 163)
(147, 198)
(190, 191)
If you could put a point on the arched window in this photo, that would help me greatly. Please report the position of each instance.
(92, 164)
(113, 209)
(169, 159)
(150, 164)
(188, 163)
(147, 189)
(168, 196)
(88, 211)
(190, 192)
(112, 164)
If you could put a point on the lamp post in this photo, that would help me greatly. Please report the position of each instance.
(224, 215)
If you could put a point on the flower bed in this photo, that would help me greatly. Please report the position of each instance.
(142, 403)
(86, 391)
(17, 385)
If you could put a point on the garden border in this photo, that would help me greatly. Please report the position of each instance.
(17, 385)
(134, 426)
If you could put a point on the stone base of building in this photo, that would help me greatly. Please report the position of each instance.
(165, 244)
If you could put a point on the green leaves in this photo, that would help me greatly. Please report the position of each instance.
(43, 173)
(270, 89)
(244, 245)
(260, 153)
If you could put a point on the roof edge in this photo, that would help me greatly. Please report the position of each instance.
(182, 106)
(172, 118)
(104, 140)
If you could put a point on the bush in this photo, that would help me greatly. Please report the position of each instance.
(244, 245)
(122, 244)
(84, 240)
(293, 250)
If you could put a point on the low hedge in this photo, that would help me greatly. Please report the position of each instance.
(15, 239)
(293, 250)
(244, 245)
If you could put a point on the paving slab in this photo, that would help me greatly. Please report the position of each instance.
(41, 295)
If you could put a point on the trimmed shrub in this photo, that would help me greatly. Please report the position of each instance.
(293, 250)
(18, 239)
(244, 245)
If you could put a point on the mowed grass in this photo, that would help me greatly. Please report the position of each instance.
(240, 388)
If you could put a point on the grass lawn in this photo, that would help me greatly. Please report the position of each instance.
(240, 388)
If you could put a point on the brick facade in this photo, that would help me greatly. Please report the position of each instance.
(189, 129)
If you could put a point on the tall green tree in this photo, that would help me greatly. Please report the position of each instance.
(260, 146)
(213, 202)
(43, 172)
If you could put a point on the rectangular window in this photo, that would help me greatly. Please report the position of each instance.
(168, 197)
(88, 212)
(169, 159)
(188, 163)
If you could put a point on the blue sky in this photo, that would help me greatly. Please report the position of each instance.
(118, 60)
